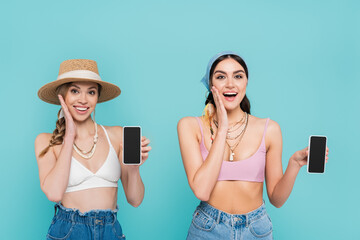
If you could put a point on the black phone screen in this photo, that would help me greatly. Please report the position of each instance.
(132, 145)
(317, 154)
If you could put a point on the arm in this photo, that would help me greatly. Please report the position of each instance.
(202, 175)
(54, 172)
(130, 174)
(279, 185)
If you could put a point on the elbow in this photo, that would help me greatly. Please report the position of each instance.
(276, 203)
(135, 204)
(54, 196)
(135, 201)
(201, 195)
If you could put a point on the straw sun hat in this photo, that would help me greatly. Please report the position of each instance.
(78, 70)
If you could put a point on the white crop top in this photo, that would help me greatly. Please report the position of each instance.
(108, 175)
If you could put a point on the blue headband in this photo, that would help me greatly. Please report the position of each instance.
(206, 79)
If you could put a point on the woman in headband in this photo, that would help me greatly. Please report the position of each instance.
(227, 155)
(80, 163)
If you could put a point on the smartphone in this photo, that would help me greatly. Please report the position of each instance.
(317, 154)
(132, 145)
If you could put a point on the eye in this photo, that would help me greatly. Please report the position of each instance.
(239, 76)
(92, 92)
(74, 90)
(220, 77)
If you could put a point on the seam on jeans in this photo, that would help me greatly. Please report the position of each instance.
(258, 216)
(218, 218)
(116, 235)
(63, 238)
(257, 235)
(206, 214)
(208, 218)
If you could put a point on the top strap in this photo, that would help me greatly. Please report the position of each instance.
(266, 125)
(106, 134)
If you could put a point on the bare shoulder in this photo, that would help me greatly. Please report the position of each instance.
(115, 133)
(187, 123)
(114, 130)
(273, 127)
(41, 142)
(257, 120)
(260, 122)
(188, 128)
(273, 135)
(257, 123)
(42, 139)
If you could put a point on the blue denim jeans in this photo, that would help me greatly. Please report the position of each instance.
(93, 225)
(210, 223)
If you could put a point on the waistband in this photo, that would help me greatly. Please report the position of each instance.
(232, 219)
(93, 217)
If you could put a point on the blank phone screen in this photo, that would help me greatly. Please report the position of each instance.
(132, 145)
(317, 154)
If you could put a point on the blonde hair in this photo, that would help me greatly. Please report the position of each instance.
(209, 112)
(59, 132)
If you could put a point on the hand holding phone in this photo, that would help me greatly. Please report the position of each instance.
(132, 145)
(317, 154)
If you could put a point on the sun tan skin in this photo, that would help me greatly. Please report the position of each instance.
(235, 197)
(54, 166)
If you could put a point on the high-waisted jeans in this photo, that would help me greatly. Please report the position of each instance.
(93, 225)
(210, 223)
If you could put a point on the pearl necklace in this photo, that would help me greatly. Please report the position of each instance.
(90, 153)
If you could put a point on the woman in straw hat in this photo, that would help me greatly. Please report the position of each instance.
(227, 155)
(80, 162)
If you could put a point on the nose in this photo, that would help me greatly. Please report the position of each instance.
(230, 83)
(82, 98)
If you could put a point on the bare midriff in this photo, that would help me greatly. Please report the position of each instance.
(237, 197)
(91, 199)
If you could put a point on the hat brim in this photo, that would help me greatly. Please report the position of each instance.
(47, 93)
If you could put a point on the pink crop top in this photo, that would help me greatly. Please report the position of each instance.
(251, 169)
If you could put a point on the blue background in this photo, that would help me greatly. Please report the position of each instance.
(303, 73)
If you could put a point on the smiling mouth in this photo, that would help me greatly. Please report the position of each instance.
(230, 96)
(81, 109)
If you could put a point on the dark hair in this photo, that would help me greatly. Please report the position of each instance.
(245, 103)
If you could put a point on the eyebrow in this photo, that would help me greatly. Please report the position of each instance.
(73, 85)
(219, 71)
(238, 71)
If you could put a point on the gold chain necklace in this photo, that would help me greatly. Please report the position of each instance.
(87, 154)
(240, 136)
(228, 135)
(231, 129)
(232, 148)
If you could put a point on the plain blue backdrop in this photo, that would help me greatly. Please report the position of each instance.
(303, 73)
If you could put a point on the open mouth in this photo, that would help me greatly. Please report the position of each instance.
(81, 109)
(230, 96)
